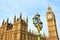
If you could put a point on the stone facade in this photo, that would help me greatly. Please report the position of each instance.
(16, 31)
(52, 28)
(19, 29)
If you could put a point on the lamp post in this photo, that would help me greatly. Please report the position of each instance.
(38, 24)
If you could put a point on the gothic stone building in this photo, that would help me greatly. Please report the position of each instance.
(16, 31)
(19, 29)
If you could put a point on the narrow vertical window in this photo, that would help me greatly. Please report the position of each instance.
(15, 36)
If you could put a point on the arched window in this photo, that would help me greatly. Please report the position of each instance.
(9, 37)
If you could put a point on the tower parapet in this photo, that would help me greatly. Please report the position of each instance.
(20, 15)
(6, 23)
(15, 18)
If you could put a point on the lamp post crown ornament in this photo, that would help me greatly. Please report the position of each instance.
(37, 14)
(37, 22)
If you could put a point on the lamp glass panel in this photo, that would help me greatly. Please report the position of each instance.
(41, 25)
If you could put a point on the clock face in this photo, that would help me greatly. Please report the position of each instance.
(49, 16)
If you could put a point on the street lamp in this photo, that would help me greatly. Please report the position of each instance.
(38, 24)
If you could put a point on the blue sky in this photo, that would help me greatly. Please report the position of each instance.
(9, 8)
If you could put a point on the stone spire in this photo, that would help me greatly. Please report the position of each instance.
(7, 20)
(15, 18)
(3, 22)
(49, 7)
(20, 15)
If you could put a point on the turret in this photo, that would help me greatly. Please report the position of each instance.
(20, 15)
(15, 18)
(3, 22)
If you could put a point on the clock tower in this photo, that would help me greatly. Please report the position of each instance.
(52, 28)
